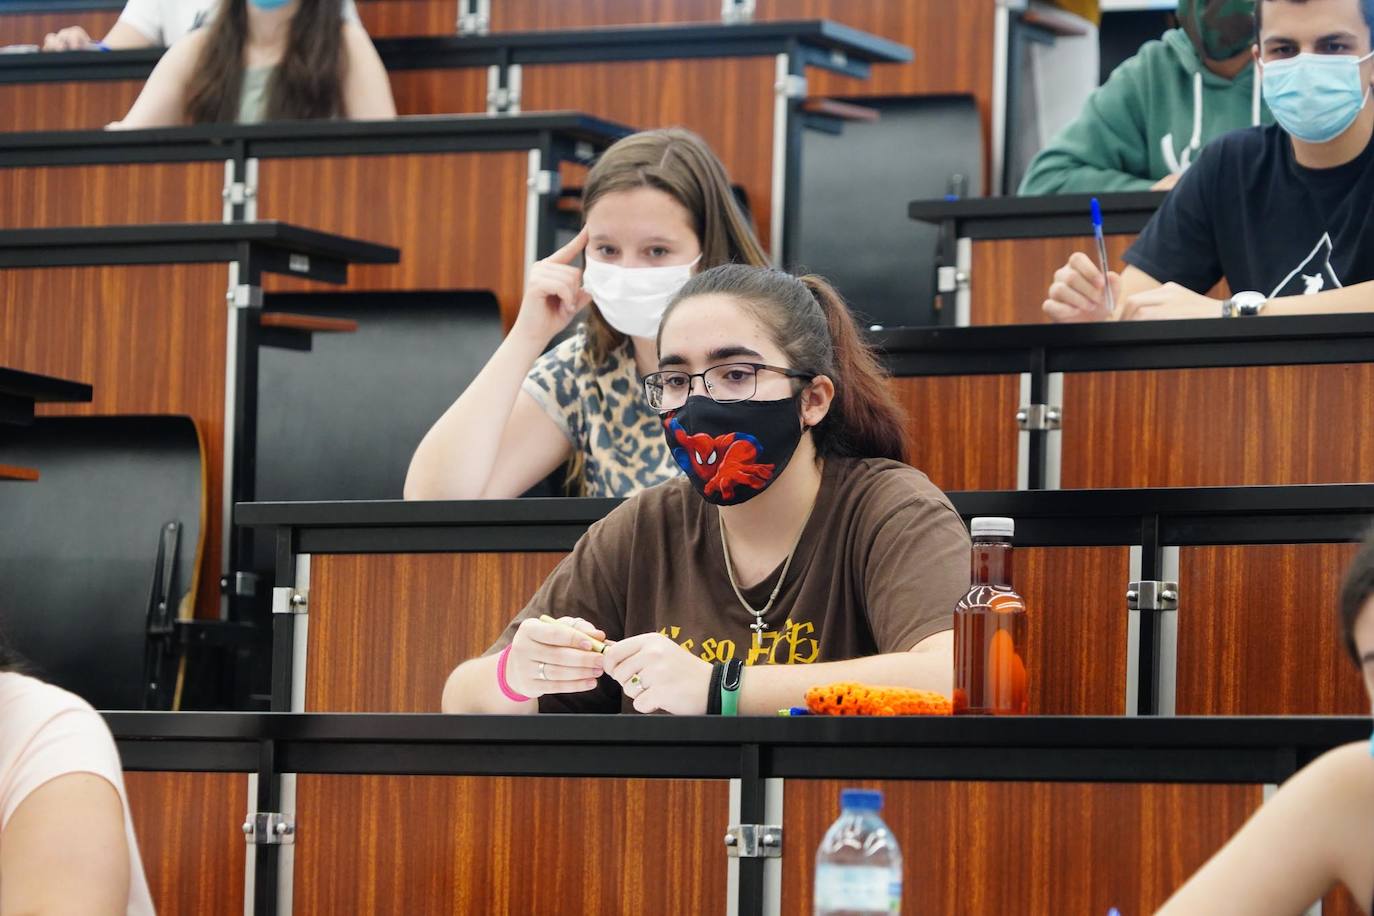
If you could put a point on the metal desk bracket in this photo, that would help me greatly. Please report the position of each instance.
(951, 280)
(1152, 595)
(754, 841)
(287, 600)
(244, 296)
(474, 17)
(791, 86)
(733, 12)
(269, 829)
(1039, 417)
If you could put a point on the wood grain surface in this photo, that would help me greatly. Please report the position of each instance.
(149, 340)
(1218, 427)
(458, 219)
(961, 430)
(189, 834)
(1258, 632)
(110, 195)
(1034, 849)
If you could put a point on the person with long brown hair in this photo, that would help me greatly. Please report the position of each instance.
(149, 24)
(266, 60)
(658, 207)
(796, 550)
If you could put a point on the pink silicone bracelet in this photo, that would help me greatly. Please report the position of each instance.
(501, 679)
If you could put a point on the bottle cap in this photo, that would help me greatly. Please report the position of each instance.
(992, 528)
(861, 799)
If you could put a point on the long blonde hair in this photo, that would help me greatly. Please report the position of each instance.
(680, 164)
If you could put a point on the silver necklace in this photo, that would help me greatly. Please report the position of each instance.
(758, 626)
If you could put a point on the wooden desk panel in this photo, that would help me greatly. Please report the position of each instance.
(458, 218)
(1076, 656)
(422, 92)
(940, 66)
(1258, 632)
(529, 15)
(1036, 849)
(149, 339)
(188, 830)
(962, 430)
(728, 102)
(32, 28)
(1010, 278)
(435, 845)
(105, 195)
(952, 45)
(384, 633)
(405, 18)
(66, 106)
(1218, 427)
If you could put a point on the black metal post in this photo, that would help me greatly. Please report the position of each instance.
(1151, 564)
(266, 857)
(752, 810)
(243, 458)
(546, 226)
(284, 624)
(238, 212)
(1038, 453)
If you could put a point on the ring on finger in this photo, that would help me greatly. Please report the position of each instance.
(543, 676)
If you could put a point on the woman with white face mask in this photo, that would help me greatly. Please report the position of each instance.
(658, 209)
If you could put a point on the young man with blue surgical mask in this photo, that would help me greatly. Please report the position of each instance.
(1280, 213)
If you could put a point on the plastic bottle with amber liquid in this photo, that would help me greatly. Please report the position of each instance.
(990, 630)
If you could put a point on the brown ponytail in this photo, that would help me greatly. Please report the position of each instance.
(808, 320)
(865, 420)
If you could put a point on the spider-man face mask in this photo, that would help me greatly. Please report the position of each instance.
(732, 452)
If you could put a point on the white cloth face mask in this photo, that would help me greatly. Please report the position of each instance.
(633, 299)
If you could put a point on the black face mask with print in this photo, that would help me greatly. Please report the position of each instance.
(733, 452)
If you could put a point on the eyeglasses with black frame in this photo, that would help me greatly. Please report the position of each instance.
(727, 383)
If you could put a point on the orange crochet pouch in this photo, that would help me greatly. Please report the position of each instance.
(849, 699)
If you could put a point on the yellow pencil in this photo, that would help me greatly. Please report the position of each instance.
(597, 645)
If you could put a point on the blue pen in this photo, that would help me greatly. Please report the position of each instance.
(99, 46)
(1102, 255)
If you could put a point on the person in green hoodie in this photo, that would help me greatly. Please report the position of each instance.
(1145, 126)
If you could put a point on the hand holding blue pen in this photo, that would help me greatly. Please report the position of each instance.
(1102, 256)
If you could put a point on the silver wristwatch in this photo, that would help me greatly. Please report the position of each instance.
(1243, 305)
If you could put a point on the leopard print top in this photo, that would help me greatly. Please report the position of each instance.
(602, 411)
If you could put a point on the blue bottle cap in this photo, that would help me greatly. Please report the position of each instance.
(861, 799)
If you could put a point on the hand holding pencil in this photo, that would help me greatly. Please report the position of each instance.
(551, 655)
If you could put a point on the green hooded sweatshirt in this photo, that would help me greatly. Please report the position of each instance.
(1118, 142)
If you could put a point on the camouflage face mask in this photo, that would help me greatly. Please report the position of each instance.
(1219, 29)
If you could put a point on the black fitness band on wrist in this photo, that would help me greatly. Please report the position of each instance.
(713, 692)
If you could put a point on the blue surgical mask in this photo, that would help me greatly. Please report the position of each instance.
(269, 5)
(1316, 97)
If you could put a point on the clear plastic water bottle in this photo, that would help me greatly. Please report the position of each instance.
(859, 864)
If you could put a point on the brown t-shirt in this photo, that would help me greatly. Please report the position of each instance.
(879, 567)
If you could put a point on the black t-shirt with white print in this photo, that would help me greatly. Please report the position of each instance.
(1248, 213)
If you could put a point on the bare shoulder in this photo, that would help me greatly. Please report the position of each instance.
(355, 38)
(1345, 774)
(186, 51)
